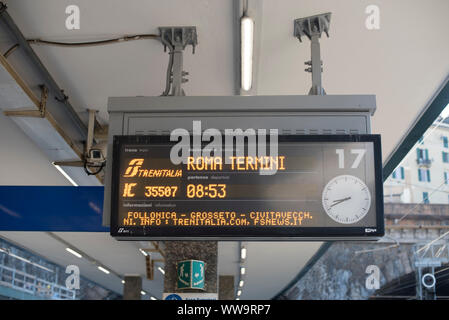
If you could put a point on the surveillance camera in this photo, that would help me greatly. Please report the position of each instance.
(96, 155)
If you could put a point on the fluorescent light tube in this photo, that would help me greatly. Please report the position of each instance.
(143, 293)
(239, 293)
(65, 175)
(246, 46)
(161, 270)
(104, 270)
(153, 298)
(74, 252)
(243, 253)
(242, 270)
(241, 283)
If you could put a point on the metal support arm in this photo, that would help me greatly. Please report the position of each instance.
(176, 39)
(40, 113)
(312, 27)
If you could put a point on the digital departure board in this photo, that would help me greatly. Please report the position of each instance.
(316, 187)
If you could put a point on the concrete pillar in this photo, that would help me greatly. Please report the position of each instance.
(176, 251)
(132, 287)
(226, 288)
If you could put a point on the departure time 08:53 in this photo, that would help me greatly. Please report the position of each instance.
(206, 191)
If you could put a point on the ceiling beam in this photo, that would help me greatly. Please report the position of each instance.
(23, 44)
(429, 114)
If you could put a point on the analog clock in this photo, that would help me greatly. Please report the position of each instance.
(346, 199)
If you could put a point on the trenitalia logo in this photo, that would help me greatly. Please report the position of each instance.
(133, 169)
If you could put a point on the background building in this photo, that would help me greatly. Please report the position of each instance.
(422, 177)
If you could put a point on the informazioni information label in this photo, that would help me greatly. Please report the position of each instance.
(316, 187)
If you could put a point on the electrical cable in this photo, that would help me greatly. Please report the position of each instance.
(95, 42)
(90, 173)
(435, 273)
(432, 242)
(436, 124)
(397, 244)
(245, 7)
(411, 283)
(10, 50)
(168, 75)
(412, 209)
(404, 184)
(407, 284)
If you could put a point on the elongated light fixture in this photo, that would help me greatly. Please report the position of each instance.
(143, 252)
(247, 38)
(104, 270)
(74, 252)
(243, 253)
(65, 175)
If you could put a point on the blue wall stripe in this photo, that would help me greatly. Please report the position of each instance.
(42, 208)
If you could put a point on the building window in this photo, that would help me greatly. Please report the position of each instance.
(422, 154)
(421, 140)
(398, 173)
(425, 198)
(445, 157)
(424, 175)
(445, 142)
(446, 176)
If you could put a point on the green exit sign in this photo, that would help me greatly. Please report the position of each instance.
(191, 274)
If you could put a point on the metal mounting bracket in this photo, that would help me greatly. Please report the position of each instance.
(178, 36)
(312, 27)
(40, 113)
(176, 39)
(74, 163)
(3, 7)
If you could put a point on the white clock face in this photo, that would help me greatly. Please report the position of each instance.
(346, 199)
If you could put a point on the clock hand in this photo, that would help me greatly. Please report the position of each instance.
(339, 201)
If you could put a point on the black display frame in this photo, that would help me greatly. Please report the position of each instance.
(249, 233)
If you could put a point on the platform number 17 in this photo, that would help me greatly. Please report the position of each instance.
(341, 157)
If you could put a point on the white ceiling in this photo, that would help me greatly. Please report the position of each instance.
(403, 64)
(92, 74)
